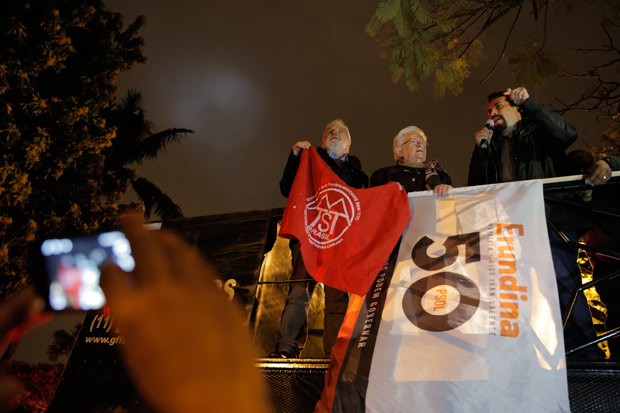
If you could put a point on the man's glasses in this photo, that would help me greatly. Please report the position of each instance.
(415, 141)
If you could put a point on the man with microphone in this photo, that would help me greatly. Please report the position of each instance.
(524, 139)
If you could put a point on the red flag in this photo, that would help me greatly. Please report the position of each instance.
(346, 235)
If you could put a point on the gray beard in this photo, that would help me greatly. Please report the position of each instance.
(336, 148)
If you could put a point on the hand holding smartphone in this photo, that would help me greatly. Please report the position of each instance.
(72, 268)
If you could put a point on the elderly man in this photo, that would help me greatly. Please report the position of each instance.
(527, 140)
(411, 169)
(293, 327)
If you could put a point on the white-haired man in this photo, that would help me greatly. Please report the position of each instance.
(293, 327)
(411, 169)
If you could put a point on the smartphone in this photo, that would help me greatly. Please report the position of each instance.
(71, 268)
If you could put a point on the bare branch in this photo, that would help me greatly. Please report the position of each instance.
(490, 21)
(544, 28)
(609, 37)
(468, 14)
(499, 58)
(604, 99)
(457, 28)
(593, 72)
(607, 48)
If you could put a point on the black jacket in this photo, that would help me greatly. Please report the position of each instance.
(540, 142)
(412, 179)
(350, 171)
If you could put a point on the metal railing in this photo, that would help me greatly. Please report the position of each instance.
(577, 183)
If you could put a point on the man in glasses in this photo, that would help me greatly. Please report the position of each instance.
(411, 169)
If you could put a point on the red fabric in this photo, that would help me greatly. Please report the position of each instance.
(345, 234)
(339, 352)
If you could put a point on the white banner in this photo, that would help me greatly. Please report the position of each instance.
(471, 321)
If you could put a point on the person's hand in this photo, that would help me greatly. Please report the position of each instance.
(185, 344)
(442, 189)
(18, 314)
(483, 135)
(299, 146)
(518, 95)
(599, 173)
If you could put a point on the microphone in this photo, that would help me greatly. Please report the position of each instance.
(489, 124)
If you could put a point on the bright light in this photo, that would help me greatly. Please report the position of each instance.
(56, 246)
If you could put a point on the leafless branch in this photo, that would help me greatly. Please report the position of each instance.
(499, 58)
(488, 23)
(604, 99)
(544, 28)
(466, 15)
(607, 48)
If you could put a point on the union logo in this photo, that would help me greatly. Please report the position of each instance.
(330, 213)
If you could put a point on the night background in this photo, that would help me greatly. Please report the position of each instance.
(252, 78)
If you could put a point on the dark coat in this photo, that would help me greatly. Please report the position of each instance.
(540, 142)
(412, 179)
(350, 171)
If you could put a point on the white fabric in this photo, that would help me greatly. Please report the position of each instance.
(473, 367)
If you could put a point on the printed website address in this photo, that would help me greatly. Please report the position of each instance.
(111, 341)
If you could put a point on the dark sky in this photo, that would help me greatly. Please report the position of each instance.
(253, 77)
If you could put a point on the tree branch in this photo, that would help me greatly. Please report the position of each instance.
(490, 21)
(499, 58)
(544, 28)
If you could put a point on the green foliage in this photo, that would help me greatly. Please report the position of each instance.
(533, 67)
(441, 40)
(386, 11)
(59, 60)
(424, 39)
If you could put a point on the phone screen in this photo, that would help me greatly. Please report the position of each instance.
(73, 268)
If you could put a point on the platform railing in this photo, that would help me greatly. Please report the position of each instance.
(576, 183)
(562, 184)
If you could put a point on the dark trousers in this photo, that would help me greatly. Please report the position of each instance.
(294, 324)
